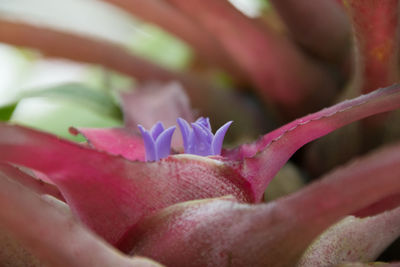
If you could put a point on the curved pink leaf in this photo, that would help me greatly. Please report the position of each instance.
(54, 236)
(387, 203)
(354, 239)
(116, 141)
(36, 185)
(226, 233)
(109, 193)
(263, 159)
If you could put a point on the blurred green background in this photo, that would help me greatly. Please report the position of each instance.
(54, 94)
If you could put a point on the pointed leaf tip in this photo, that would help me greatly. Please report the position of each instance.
(116, 141)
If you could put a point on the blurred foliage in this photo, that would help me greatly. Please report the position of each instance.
(160, 47)
(67, 105)
(93, 102)
(80, 94)
(6, 111)
(100, 78)
(57, 116)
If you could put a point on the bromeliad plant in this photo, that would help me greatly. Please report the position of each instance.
(127, 194)
(126, 202)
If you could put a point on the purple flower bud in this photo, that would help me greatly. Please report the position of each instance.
(199, 139)
(157, 141)
(204, 122)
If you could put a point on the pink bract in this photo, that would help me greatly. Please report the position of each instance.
(110, 193)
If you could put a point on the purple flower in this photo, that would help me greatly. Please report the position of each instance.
(157, 141)
(199, 139)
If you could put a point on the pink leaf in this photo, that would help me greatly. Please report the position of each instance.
(388, 203)
(53, 235)
(223, 232)
(110, 193)
(354, 239)
(116, 141)
(36, 185)
(263, 159)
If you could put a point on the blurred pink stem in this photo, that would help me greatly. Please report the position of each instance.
(283, 75)
(320, 26)
(172, 20)
(59, 44)
(38, 186)
(375, 25)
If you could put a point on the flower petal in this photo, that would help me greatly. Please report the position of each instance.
(156, 130)
(205, 122)
(219, 138)
(202, 140)
(149, 144)
(163, 143)
(186, 136)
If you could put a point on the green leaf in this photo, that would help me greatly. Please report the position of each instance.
(160, 47)
(7, 111)
(55, 109)
(56, 116)
(97, 101)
